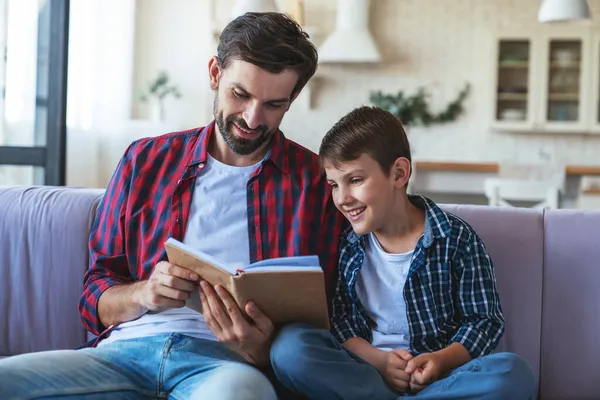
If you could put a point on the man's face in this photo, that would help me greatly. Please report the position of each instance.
(250, 103)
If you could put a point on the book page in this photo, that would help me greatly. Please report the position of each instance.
(298, 263)
(202, 256)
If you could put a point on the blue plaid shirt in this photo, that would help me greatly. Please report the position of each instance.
(450, 291)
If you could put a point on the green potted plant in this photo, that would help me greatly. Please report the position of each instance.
(414, 109)
(157, 91)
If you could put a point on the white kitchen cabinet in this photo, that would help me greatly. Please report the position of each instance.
(547, 82)
(514, 101)
(594, 108)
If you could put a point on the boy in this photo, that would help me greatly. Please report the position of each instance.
(416, 310)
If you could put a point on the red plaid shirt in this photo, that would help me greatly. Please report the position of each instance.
(149, 196)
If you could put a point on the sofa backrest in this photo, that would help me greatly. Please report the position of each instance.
(514, 240)
(43, 256)
(571, 313)
(548, 271)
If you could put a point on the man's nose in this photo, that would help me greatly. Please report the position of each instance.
(253, 116)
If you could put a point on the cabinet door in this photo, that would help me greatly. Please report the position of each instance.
(594, 104)
(566, 69)
(514, 97)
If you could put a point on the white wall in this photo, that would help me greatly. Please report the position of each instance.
(440, 44)
(175, 36)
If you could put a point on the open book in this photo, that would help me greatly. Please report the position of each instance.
(287, 289)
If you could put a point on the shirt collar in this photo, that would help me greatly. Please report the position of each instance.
(437, 222)
(278, 154)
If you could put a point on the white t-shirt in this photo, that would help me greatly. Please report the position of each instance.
(380, 289)
(218, 226)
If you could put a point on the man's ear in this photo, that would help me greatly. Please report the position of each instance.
(214, 72)
(401, 171)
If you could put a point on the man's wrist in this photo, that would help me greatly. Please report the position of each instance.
(137, 298)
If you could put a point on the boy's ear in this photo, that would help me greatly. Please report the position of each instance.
(401, 172)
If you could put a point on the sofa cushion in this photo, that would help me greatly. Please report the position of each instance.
(43, 257)
(514, 239)
(571, 314)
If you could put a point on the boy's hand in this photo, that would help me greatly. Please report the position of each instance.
(395, 374)
(424, 370)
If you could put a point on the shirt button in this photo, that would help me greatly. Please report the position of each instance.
(201, 165)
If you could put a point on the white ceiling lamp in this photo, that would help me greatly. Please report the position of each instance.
(351, 41)
(563, 10)
(243, 6)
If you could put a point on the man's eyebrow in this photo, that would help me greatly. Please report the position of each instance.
(241, 88)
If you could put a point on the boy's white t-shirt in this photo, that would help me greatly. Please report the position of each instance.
(217, 225)
(380, 289)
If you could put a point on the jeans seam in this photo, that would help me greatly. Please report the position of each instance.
(83, 391)
(183, 342)
(163, 361)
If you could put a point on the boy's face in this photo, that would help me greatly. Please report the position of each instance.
(250, 103)
(364, 193)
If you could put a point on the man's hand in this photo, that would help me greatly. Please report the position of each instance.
(395, 365)
(424, 370)
(252, 339)
(169, 286)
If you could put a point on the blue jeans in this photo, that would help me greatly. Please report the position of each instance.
(313, 363)
(166, 367)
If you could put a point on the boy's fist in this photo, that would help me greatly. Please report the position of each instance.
(394, 374)
(424, 370)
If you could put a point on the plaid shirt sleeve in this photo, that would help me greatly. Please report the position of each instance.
(108, 261)
(347, 320)
(481, 313)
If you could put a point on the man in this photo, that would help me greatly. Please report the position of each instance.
(236, 189)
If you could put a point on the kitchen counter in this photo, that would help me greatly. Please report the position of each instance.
(476, 167)
(463, 182)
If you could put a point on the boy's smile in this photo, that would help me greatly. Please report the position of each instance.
(355, 213)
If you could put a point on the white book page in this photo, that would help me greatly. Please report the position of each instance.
(203, 256)
(299, 263)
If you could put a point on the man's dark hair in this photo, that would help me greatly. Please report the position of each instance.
(369, 130)
(271, 41)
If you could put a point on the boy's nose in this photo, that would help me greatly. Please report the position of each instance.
(344, 197)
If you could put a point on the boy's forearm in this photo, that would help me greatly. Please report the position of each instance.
(364, 349)
(453, 356)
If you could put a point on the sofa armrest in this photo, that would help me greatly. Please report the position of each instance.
(43, 256)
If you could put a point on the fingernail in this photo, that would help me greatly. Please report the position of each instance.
(203, 284)
(194, 277)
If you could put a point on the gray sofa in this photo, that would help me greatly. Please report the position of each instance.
(547, 265)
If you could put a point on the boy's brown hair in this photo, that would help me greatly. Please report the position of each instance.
(271, 41)
(369, 130)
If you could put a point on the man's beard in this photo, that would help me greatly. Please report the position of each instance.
(238, 145)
